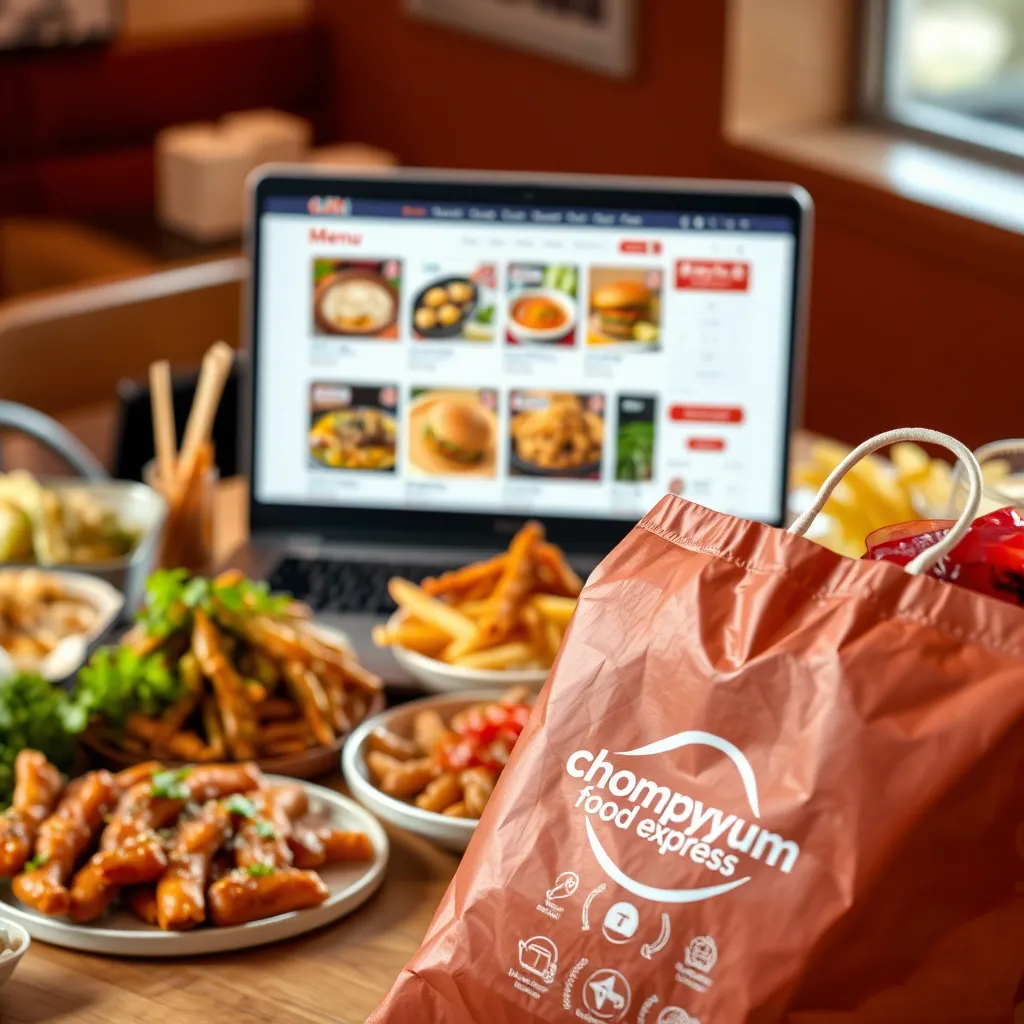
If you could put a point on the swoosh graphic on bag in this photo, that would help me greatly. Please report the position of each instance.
(649, 892)
(696, 737)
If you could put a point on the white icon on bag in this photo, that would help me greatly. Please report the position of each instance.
(539, 956)
(648, 949)
(621, 923)
(565, 885)
(675, 1015)
(700, 956)
(606, 994)
(702, 953)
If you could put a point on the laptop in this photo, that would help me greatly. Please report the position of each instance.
(437, 357)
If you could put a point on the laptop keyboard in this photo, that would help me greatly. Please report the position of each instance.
(346, 586)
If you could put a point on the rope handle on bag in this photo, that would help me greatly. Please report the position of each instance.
(927, 558)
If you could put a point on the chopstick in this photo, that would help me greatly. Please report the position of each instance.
(164, 435)
(199, 428)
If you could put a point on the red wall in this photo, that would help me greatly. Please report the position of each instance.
(441, 98)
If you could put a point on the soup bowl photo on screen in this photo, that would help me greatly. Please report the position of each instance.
(540, 315)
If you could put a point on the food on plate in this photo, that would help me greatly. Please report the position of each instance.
(37, 784)
(354, 439)
(561, 436)
(425, 318)
(158, 834)
(458, 430)
(449, 314)
(450, 767)
(624, 310)
(58, 526)
(507, 612)
(446, 307)
(539, 313)
(10, 944)
(36, 613)
(358, 304)
(875, 493)
(434, 297)
(231, 671)
(635, 453)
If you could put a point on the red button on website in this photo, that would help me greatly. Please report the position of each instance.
(712, 275)
(706, 444)
(706, 413)
(630, 245)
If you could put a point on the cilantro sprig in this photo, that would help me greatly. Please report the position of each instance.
(240, 806)
(170, 785)
(260, 870)
(117, 681)
(172, 596)
(31, 715)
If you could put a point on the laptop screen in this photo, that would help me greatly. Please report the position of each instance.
(552, 356)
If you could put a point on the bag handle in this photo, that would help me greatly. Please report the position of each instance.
(927, 558)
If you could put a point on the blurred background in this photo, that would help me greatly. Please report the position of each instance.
(904, 120)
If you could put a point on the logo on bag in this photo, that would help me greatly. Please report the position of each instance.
(677, 824)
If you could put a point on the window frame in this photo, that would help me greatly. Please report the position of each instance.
(879, 40)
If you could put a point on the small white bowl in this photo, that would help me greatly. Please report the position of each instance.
(11, 934)
(451, 833)
(440, 677)
(71, 653)
(528, 335)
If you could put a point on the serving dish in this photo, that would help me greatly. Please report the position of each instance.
(71, 652)
(462, 305)
(373, 320)
(525, 334)
(122, 934)
(142, 509)
(450, 832)
(14, 943)
(440, 677)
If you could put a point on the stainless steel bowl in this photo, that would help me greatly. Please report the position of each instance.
(140, 508)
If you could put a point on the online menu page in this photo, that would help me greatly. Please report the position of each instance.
(487, 359)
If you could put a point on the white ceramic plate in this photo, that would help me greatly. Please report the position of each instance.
(70, 654)
(122, 934)
(440, 677)
(451, 833)
(11, 935)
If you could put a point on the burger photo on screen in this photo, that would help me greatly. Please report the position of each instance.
(623, 309)
(453, 432)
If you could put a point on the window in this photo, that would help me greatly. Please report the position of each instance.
(953, 68)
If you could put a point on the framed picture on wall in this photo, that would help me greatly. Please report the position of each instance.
(35, 24)
(598, 34)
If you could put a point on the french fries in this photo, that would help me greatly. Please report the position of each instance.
(508, 612)
(449, 768)
(253, 678)
(876, 492)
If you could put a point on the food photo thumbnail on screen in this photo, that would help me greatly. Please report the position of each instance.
(353, 426)
(542, 304)
(453, 432)
(357, 298)
(625, 307)
(556, 434)
(456, 303)
(634, 439)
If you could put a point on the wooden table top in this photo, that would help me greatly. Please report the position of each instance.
(336, 974)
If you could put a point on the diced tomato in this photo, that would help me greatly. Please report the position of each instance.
(486, 737)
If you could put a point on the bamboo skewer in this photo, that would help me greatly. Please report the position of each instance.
(199, 428)
(164, 434)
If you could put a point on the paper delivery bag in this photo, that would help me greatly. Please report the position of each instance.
(763, 783)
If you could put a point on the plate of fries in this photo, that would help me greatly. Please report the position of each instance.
(230, 672)
(181, 862)
(430, 766)
(494, 623)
